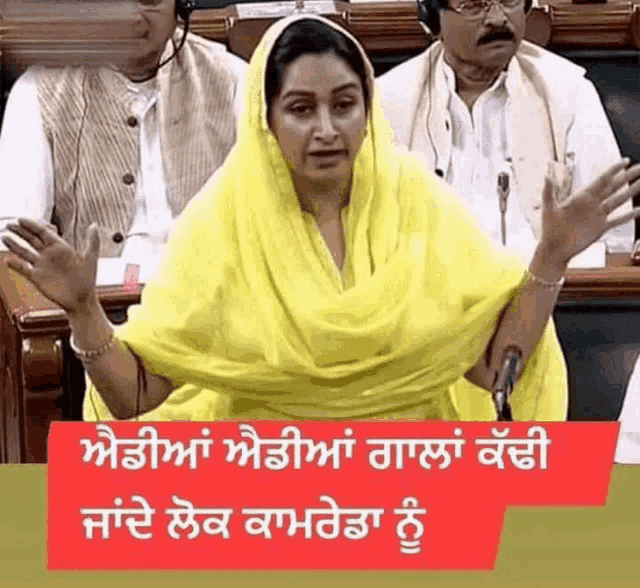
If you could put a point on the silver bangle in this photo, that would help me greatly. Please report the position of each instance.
(544, 283)
(93, 354)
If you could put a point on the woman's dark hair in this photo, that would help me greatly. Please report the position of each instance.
(310, 36)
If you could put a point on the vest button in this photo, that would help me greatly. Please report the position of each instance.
(128, 179)
(132, 121)
(118, 237)
(439, 173)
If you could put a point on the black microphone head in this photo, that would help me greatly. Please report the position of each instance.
(503, 181)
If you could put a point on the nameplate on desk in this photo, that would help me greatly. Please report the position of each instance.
(113, 271)
(280, 9)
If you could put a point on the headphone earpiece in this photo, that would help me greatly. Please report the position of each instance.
(184, 8)
(429, 14)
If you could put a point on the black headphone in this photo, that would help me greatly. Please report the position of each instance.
(184, 8)
(429, 13)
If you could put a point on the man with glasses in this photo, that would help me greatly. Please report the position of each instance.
(490, 112)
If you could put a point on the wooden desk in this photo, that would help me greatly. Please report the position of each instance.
(620, 281)
(38, 369)
(37, 366)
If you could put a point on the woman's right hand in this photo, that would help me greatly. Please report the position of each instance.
(64, 275)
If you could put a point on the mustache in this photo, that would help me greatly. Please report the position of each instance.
(497, 35)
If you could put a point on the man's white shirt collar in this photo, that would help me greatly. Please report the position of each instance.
(504, 81)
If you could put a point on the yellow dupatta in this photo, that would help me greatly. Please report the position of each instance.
(250, 321)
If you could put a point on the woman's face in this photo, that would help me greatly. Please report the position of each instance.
(319, 117)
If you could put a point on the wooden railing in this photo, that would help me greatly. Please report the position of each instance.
(394, 26)
(388, 26)
(614, 24)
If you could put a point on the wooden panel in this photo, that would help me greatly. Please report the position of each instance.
(385, 27)
(394, 26)
(620, 280)
(32, 360)
(213, 24)
(614, 24)
(11, 406)
(58, 34)
(41, 410)
(389, 26)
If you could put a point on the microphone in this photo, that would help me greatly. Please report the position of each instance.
(503, 194)
(505, 382)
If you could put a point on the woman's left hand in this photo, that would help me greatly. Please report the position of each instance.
(570, 226)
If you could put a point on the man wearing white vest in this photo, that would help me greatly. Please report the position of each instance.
(490, 112)
(126, 148)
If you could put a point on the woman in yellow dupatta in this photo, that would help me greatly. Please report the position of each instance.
(321, 273)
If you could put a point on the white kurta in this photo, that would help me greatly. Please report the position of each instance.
(479, 153)
(541, 110)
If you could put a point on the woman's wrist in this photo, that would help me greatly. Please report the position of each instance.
(86, 307)
(547, 264)
(90, 327)
(90, 355)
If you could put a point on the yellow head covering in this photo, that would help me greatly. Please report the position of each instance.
(249, 320)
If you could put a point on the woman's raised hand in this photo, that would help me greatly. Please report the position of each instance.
(64, 275)
(570, 225)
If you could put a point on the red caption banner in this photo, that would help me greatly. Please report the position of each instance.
(309, 495)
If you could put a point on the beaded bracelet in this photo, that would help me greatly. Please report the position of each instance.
(93, 354)
(544, 283)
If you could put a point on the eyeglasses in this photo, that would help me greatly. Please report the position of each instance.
(476, 10)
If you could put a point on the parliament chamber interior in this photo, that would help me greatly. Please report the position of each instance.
(597, 315)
